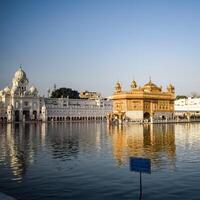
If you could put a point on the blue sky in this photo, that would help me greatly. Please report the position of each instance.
(90, 45)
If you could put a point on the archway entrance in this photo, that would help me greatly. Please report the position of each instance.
(34, 115)
(26, 115)
(146, 116)
(163, 117)
(17, 115)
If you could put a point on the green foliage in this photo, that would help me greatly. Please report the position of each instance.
(65, 92)
(181, 97)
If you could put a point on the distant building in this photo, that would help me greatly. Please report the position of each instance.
(65, 109)
(90, 95)
(20, 102)
(145, 103)
(187, 107)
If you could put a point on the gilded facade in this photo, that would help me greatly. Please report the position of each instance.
(147, 103)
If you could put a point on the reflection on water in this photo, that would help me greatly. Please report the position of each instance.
(17, 147)
(20, 143)
(63, 141)
(90, 161)
(156, 142)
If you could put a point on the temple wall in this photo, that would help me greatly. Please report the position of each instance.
(135, 115)
(160, 115)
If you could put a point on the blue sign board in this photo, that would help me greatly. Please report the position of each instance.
(140, 165)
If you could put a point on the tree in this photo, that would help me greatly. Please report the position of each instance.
(65, 92)
(181, 97)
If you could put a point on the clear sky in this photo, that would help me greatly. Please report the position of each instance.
(90, 45)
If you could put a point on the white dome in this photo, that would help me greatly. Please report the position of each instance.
(7, 90)
(20, 74)
(33, 90)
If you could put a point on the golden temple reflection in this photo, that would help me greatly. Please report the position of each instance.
(156, 142)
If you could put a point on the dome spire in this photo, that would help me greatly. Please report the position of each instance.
(133, 85)
(150, 79)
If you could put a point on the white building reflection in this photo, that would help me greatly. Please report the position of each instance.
(18, 147)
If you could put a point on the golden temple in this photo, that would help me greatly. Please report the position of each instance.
(142, 104)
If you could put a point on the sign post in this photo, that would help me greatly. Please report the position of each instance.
(141, 165)
(140, 185)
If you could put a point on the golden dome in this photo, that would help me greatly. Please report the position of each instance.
(170, 88)
(133, 84)
(118, 87)
(151, 87)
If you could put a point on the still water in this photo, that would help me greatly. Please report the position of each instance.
(91, 161)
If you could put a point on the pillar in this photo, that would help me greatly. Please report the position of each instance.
(10, 114)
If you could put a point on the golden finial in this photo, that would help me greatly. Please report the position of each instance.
(118, 87)
(170, 88)
(133, 84)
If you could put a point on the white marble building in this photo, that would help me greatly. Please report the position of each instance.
(19, 102)
(64, 109)
(189, 106)
(22, 103)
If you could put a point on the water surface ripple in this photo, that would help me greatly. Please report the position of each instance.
(58, 161)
